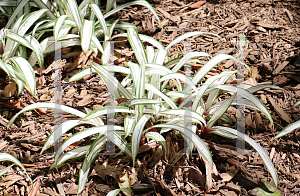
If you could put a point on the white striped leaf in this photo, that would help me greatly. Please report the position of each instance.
(158, 138)
(106, 110)
(220, 130)
(58, 23)
(185, 113)
(9, 157)
(86, 35)
(221, 110)
(26, 72)
(288, 129)
(137, 134)
(71, 154)
(189, 134)
(46, 105)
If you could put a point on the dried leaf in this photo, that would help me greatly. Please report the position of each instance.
(197, 4)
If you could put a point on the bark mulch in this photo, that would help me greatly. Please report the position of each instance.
(271, 28)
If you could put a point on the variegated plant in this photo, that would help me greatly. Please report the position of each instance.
(14, 42)
(71, 26)
(148, 97)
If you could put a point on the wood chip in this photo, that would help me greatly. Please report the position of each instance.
(280, 67)
(279, 110)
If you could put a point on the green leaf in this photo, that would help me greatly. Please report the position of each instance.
(108, 78)
(73, 8)
(120, 142)
(210, 64)
(88, 161)
(256, 88)
(154, 90)
(17, 38)
(83, 134)
(220, 130)
(30, 20)
(42, 5)
(244, 93)
(186, 35)
(296, 104)
(187, 57)
(181, 77)
(36, 49)
(129, 124)
(206, 85)
(144, 102)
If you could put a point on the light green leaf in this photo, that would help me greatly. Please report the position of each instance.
(83, 134)
(296, 104)
(120, 142)
(187, 57)
(210, 64)
(16, 12)
(154, 90)
(29, 20)
(108, 78)
(88, 161)
(129, 124)
(73, 8)
(247, 95)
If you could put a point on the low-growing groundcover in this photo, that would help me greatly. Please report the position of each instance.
(156, 108)
(147, 99)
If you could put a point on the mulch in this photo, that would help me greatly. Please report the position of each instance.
(271, 50)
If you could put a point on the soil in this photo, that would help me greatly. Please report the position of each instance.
(271, 50)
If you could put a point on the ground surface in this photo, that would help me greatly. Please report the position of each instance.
(272, 32)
